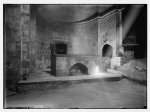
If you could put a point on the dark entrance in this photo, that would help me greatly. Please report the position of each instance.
(107, 51)
(61, 48)
(107, 55)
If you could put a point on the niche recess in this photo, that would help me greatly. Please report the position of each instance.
(61, 48)
(107, 51)
(78, 69)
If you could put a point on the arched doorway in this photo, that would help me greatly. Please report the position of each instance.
(78, 69)
(107, 53)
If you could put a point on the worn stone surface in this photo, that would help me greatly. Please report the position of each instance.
(97, 94)
(24, 30)
(32, 44)
(12, 47)
(64, 63)
(107, 33)
(12, 33)
(17, 37)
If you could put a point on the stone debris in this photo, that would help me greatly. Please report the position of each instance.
(136, 69)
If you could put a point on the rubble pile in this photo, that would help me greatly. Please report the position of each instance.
(136, 69)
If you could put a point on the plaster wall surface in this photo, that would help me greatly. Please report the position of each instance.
(80, 39)
(84, 38)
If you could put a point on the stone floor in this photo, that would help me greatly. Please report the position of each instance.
(102, 94)
(87, 94)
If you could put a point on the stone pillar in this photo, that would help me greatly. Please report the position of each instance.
(12, 39)
(119, 38)
(24, 22)
(24, 34)
(28, 35)
(117, 60)
(33, 42)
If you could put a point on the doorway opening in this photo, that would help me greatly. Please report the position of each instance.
(107, 51)
(107, 55)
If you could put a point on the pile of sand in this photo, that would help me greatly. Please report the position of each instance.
(135, 69)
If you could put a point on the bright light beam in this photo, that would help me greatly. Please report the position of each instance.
(97, 72)
(132, 15)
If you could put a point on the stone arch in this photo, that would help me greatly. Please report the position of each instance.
(78, 69)
(107, 54)
(107, 51)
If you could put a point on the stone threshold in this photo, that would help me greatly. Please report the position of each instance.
(73, 78)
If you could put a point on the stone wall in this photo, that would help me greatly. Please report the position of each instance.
(29, 36)
(24, 30)
(33, 38)
(84, 38)
(43, 41)
(12, 40)
(80, 39)
(65, 62)
(109, 32)
(18, 36)
(12, 46)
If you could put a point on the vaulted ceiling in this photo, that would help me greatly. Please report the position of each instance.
(69, 13)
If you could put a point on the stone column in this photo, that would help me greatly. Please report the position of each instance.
(24, 22)
(119, 38)
(24, 34)
(33, 42)
(28, 35)
(117, 60)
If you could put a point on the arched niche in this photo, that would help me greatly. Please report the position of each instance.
(78, 69)
(107, 51)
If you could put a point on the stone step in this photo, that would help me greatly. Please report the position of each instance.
(56, 82)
